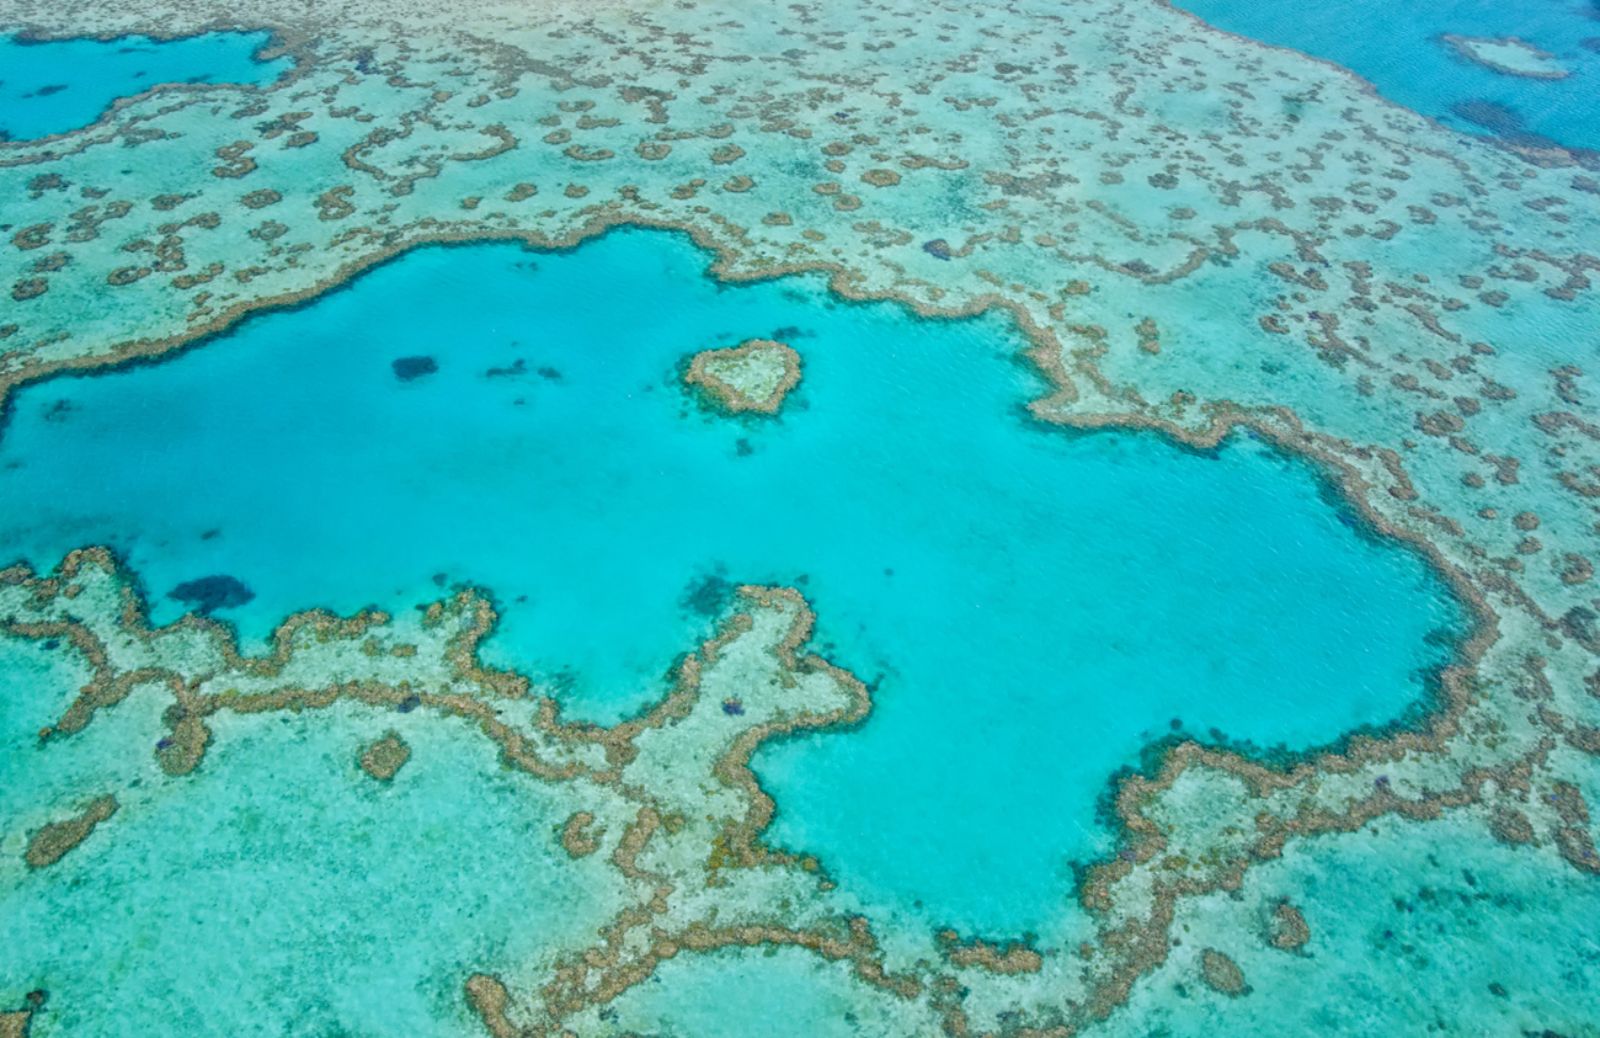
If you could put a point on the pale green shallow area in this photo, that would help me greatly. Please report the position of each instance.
(278, 890)
(1414, 930)
(776, 992)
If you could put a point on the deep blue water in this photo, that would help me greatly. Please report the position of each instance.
(60, 85)
(1398, 47)
(1034, 605)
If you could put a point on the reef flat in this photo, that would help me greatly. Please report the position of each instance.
(1509, 56)
(1197, 238)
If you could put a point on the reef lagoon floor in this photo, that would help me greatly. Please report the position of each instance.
(1054, 519)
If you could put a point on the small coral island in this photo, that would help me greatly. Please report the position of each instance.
(384, 758)
(1508, 56)
(755, 375)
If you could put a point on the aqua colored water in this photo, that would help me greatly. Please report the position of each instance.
(54, 86)
(1398, 48)
(1035, 606)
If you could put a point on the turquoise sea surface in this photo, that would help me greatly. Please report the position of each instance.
(1032, 607)
(1400, 48)
(54, 86)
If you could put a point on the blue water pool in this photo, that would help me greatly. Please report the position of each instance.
(1032, 606)
(53, 86)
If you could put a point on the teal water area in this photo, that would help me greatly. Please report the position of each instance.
(1031, 606)
(53, 86)
(1399, 49)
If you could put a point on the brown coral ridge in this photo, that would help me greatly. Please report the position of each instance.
(602, 973)
(1011, 957)
(468, 614)
(579, 837)
(51, 843)
(728, 395)
(489, 998)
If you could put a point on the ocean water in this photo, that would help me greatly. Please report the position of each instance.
(1400, 49)
(1032, 607)
(54, 86)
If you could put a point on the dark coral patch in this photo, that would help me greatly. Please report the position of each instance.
(407, 369)
(709, 595)
(517, 367)
(1501, 120)
(208, 594)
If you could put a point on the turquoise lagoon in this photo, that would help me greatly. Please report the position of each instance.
(1399, 48)
(1032, 607)
(54, 86)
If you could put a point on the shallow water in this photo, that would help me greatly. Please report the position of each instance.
(1412, 931)
(55, 86)
(1033, 606)
(278, 883)
(1400, 50)
(779, 992)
